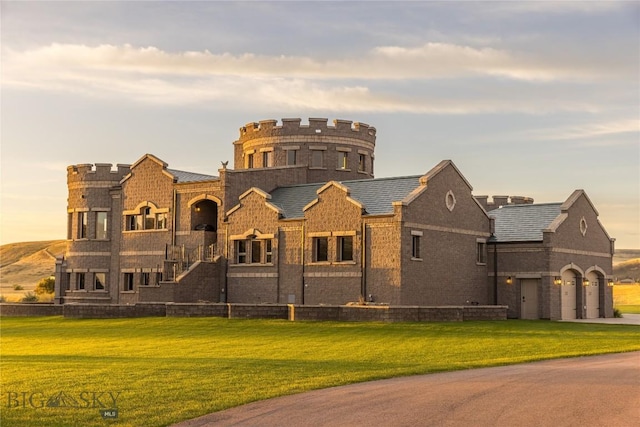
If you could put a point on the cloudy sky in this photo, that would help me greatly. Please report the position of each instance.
(527, 98)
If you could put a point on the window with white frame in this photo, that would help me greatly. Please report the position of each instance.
(80, 284)
(82, 225)
(99, 281)
(253, 251)
(147, 218)
(320, 249)
(362, 162)
(416, 237)
(267, 159)
(481, 251)
(292, 157)
(317, 158)
(101, 225)
(345, 248)
(343, 160)
(128, 282)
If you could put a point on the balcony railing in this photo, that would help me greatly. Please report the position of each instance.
(180, 258)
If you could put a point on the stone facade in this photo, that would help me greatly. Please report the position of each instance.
(301, 220)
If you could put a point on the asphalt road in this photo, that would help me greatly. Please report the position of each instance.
(585, 391)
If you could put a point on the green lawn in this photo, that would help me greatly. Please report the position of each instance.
(171, 369)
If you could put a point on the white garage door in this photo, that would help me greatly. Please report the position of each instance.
(568, 295)
(592, 296)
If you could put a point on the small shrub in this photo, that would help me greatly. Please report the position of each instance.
(46, 286)
(18, 288)
(2, 298)
(617, 313)
(29, 297)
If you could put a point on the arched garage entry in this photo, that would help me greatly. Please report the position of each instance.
(595, 276)
(570, 275)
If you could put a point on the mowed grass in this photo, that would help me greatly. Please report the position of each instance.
(172, 369)
(626, 298)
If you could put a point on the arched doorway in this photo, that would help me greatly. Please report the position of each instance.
(592, 293)
(568, 295)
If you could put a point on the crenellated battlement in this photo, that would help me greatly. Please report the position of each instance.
(316, 127)
(97, 172)
(498, 201)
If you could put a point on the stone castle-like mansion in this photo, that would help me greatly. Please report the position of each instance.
(300, 219)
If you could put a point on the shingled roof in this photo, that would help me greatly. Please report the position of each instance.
(524, 223)
(376, 195)
(183, 176)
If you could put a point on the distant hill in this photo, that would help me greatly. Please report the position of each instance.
(24, 264)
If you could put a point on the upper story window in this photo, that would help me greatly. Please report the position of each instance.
(101, 225)
(250, 161)
(267, 159)
(253, 251)
(148, 218)
(317, 158)
(80, 285)
(345, 248)
(292, 157)
(343, 160)
(320, 249)
(82, 225)
(128, 282)
(362, 162)
(481, 251)
(416, 237)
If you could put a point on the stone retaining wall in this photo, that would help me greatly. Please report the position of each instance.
(263, 311)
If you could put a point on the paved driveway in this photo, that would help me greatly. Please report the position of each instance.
(584, 391)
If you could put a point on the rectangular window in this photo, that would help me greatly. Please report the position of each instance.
(292, 157)
(161, 221)
(145, 279)
(158, 277)
(241, 251)
(320, 249)
(131, 222)
(100, 281)
(267, 159)
(149, 219)
(101, 225)
(69, 226)
(343, 160)
(128, 282)
(362, 161)
(256, 251)
(80, 281)
(82, 225)
(415, 247)
(268, 251)
(317, 158)
(481, 252)
(250, 161)
(345, 248)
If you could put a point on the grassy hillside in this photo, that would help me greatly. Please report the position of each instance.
(24, 264)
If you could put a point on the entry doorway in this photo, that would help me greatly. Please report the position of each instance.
(529, 299)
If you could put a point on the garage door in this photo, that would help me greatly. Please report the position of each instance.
(568, 295)
(592, 296)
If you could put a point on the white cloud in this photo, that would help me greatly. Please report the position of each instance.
(588, 130)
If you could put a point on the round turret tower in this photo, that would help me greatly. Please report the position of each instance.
(344, 151)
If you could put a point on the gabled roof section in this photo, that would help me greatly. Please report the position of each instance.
(525, 223)
(375, 195)
(439, 168)
(266, 196)
(574, 197)
(176, 175)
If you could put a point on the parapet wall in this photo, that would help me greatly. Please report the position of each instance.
(263, 311)
(316, 127)
(502, 201)
(97, 172)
